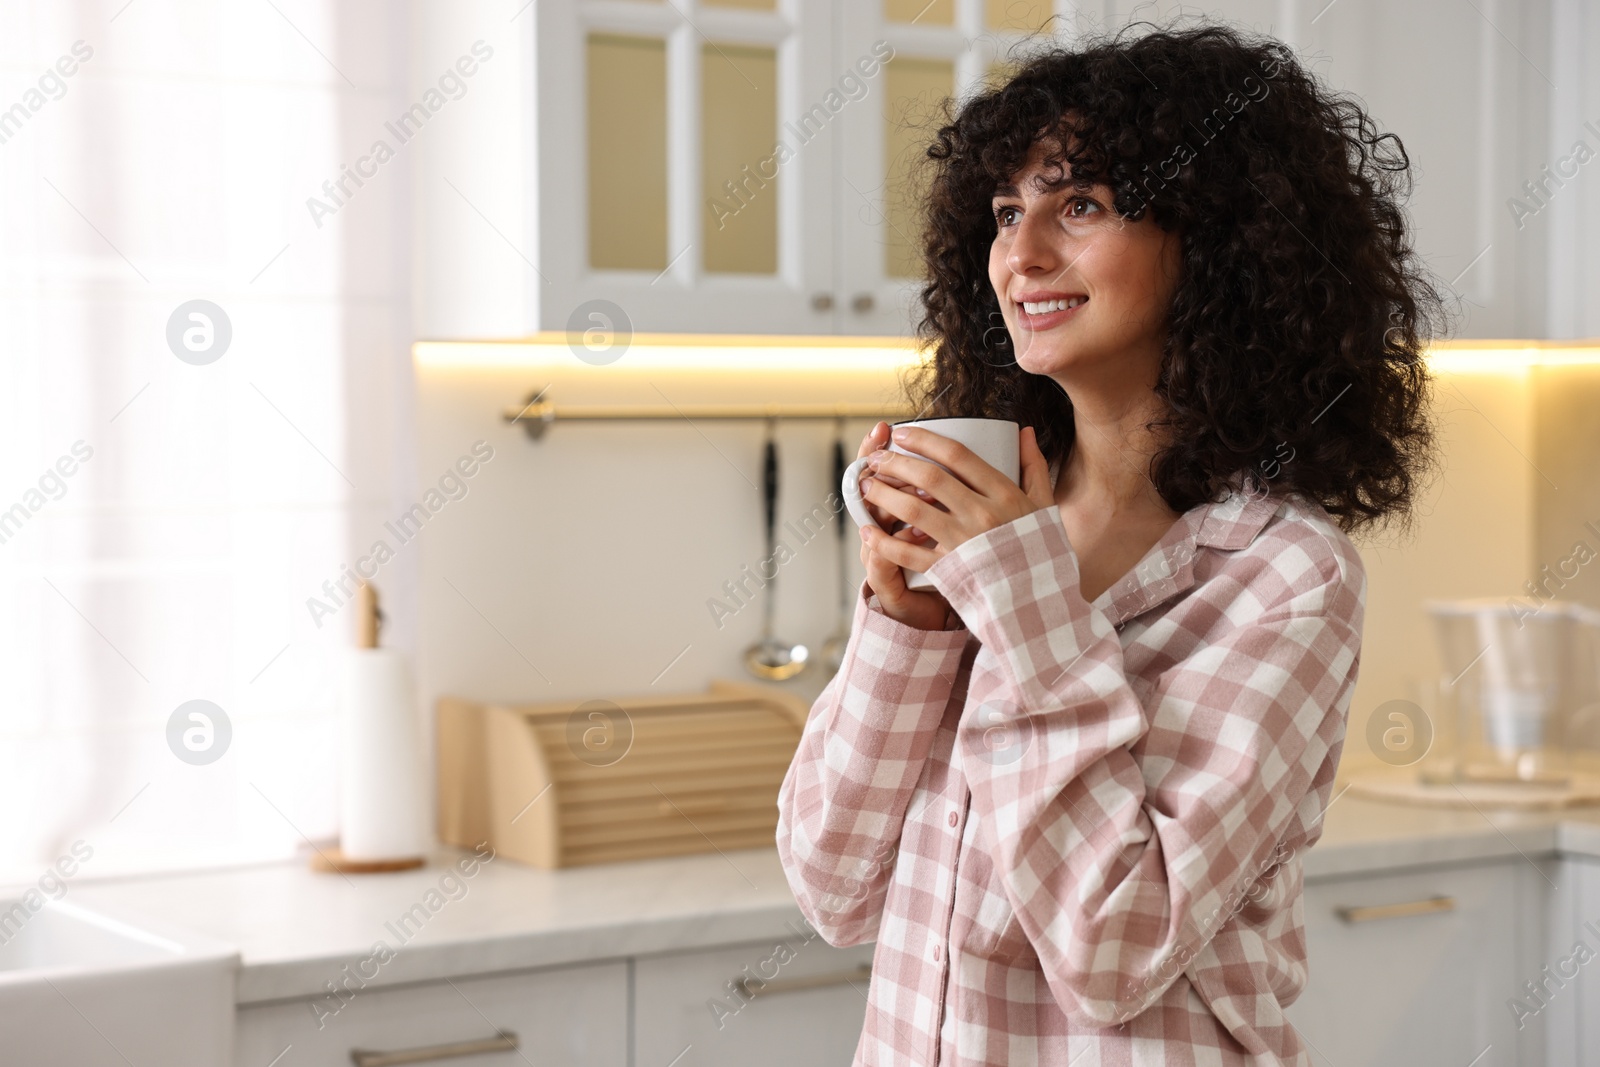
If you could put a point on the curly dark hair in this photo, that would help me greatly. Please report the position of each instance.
(1302, 313)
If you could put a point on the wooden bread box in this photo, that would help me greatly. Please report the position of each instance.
(580, 782)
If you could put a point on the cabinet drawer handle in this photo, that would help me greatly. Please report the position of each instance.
(1370, 912)
(504, 1041)
(770, 986)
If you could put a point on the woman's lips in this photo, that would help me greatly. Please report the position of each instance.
(1047, 320)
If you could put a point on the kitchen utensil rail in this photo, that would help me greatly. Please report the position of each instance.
(538, 412)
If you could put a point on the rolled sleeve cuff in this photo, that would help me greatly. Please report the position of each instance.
(1019, 583)
(869, 613)
(895, 678)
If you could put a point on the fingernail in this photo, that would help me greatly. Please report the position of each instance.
(900, 434)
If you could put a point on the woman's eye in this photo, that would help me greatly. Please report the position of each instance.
(1005, 216)
(1081, 207)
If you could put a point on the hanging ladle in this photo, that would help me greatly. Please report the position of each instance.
(769, 657)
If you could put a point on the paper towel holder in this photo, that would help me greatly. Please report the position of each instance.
(332, 860)
(369, 616)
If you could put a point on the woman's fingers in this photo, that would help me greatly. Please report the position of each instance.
(1035, 469)
(912, 473)
(946, 488)
(970, 469)
(904, 548)
(877, 437)
(886, 558)
(883, 575)
(906, 506)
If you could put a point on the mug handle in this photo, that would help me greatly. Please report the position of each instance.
(853, 501)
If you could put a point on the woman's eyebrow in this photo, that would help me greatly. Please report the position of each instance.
(1045, 184)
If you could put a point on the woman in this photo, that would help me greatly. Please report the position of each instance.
(1067, 790)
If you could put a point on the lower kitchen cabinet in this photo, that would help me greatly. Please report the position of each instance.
(1418, 968)
(789, 1003)
(1565, 972)
(1412, 969)
(564, 1017)
(1586, 876)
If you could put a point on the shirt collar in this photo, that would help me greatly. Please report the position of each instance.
(1233, 522)
(1168, 568)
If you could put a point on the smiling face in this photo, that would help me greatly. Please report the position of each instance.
(1084, 291)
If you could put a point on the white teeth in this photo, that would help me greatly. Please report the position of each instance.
(1043, 307)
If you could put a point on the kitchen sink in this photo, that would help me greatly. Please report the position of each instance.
(86, 987)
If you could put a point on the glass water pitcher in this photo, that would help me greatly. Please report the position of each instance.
(1521, 685)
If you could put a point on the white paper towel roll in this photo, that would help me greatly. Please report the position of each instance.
(383, 811)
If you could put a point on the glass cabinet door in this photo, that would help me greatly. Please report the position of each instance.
(690, 188)
(940, 50)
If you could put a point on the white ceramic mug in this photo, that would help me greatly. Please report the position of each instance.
(993, 440)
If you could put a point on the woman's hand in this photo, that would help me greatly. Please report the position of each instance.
(912, 607)
(950, 506)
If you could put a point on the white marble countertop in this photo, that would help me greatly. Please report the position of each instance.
(296, 928)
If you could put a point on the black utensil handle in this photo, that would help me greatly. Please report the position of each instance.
(839, 466)
(769, 490)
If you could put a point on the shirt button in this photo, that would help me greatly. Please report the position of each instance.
(954, 818)
(938, 953)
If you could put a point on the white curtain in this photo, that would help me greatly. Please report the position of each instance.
(163, 520)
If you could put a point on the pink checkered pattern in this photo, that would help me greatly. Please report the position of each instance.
(1074, 829)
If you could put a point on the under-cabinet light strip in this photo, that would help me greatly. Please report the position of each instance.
(832, 355)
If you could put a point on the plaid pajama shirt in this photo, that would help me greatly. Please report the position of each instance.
(1074, 829)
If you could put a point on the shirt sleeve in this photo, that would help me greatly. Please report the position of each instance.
(866, 740)
(1115, 865)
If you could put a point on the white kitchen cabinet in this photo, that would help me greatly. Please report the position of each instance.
(1567, 968)
(563, 1017)
(754, 174)
(1391, 984)
(1470, 90)
(645, 112)
(1545, 905)
(946, 49)
(523, 188)
(690, 1008)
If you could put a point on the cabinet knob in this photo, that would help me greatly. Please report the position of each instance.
(822, 302)
(862, 303)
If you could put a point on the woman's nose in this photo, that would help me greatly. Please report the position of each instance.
(1033, 247)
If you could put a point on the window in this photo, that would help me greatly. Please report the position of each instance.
(203, 360)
